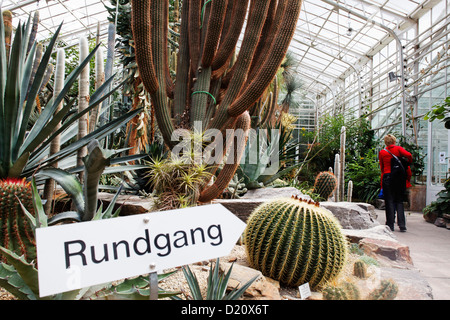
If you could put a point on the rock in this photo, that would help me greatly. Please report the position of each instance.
(380, 232)
(411, 284)
(353, 215)
(242, 208)
(391, 249)
(262, 288)
(440, 222)
(379, 204)
(129, 204)
(271, 193)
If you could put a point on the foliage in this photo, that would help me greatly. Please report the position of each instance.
(176, 181)
(282, 243)
(216, 285)
(365, 174)
(360, 138)
(440, 112)
(24, 146)
(418, 164)
(442, 204)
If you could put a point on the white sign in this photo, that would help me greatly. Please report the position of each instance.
(83, 254)
(442, 159)
(305, 291)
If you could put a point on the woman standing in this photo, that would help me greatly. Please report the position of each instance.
(394, 186)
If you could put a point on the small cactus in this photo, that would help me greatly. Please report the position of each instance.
(16, 233)
(345, 291)
(325, 184)
(295, 241)
(334, 293)
(360, 269)
(387, 290)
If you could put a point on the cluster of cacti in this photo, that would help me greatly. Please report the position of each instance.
(214, 85)
(360, 269)
(295, 241)
(387, 290)
(16, 233)
(344, 291)
(236, 188)
(325, 184)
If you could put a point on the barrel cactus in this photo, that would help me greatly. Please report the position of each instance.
(325, 184)
(295, 241)
(16, 233)
(345, 291)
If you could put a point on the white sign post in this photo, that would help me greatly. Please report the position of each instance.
(79, 255)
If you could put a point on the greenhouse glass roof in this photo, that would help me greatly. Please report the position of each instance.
(333, 38)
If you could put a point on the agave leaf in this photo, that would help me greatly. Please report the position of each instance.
(41, 217)
(14, 284)
(18, 166)
(68, 182)
(192, 283)
(27, 271)
(48, 111)
(12, 97)
(98, 134)
(67, 215)
(34, 89)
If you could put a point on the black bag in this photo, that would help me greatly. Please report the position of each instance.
(398, 167)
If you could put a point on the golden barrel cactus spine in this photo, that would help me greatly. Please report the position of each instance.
(295, 241)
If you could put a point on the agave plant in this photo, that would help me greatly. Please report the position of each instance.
(216, 285)
(25, 149)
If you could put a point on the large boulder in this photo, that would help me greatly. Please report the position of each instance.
(353, 215)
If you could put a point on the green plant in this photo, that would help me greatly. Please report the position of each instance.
(295, 241)
(442, 203)
(360, 269)
(387, 290)
(176, 181)
(212, 85)
(15, 232)
(24, 145)
(365, 175)
(216, 285)
(440, 112)
(325, 184)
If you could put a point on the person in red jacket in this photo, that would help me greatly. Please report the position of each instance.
(393, 189)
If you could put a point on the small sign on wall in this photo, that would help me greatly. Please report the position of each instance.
(442, 158)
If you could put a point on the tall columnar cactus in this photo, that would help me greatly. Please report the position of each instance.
(342, 165)
(7, 21)
(294, 242)
(83, 100)
(211, 87)
(325, 184)
(16, 233)
(55, 145)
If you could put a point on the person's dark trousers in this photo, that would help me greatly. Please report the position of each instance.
(393, 199)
